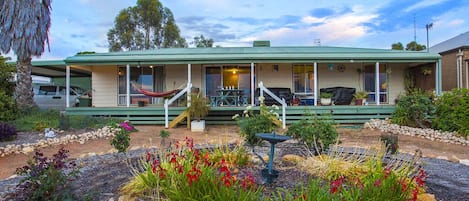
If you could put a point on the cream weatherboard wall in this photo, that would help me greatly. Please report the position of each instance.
(176, 75)
(105, 84)
(272, 78)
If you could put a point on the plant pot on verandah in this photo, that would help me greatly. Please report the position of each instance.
(326, 98)
(360, 97)
(198, 110)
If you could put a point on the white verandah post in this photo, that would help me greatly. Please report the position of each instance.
(315, 83)
(253, 87)
(67, 86)
(189, 81)
(377, 91)
(438, 88)
(127, 83)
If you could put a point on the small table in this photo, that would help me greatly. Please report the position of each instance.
(228, 97)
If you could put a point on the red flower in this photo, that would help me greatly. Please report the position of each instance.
(191, 178)
(180, 168)
(148, 157)
(173, 158)
(336, 184)
(155, 165)
(415, 194)
(206, 159)
(387, 171)
(248, 181)
(403, 185)
(421, 177)
(377, 183)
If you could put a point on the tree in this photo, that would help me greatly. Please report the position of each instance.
(6, 76)
(24, 28)
(200, 41)
(148, 25)
(414, 46)
(397, 46)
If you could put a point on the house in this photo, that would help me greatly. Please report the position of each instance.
(118, 78)
(455, 58)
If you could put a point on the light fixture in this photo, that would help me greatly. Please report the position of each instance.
(151, 66)
(138, 64)
(331, 67)
(275, 67)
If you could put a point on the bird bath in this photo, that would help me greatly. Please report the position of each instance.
(269, 174)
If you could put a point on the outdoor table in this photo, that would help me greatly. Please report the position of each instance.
(229, 97)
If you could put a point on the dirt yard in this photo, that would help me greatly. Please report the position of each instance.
(148, 136)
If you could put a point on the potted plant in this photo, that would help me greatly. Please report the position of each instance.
(326, 98)
(198, 110)
(360, 97)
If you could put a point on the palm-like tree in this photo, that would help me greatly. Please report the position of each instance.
(24, 30)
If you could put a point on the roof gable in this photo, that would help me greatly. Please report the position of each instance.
(457, 42)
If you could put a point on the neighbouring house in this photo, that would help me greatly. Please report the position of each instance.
(231, 77)
(455, 58)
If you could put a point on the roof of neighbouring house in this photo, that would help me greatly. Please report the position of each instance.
(458, 42)
(252, 54)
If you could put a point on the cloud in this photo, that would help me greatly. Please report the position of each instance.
(322, 12)
(423, 4)
(312, 20)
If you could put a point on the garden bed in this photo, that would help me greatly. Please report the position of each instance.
(101, 176)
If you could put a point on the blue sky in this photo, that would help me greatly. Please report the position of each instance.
(81, 25)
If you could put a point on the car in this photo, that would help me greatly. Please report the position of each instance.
(49, 96)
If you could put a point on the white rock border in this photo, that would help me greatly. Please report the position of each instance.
(427, 133)
(26, 148)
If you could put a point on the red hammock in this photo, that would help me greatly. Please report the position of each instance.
(157, 94)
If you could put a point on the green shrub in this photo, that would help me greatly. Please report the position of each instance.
(7, 132)
(415, 109)
(251, 123)
(121, 139)
(8, 107)
(45, 178)
(452, 112)
(314, 131)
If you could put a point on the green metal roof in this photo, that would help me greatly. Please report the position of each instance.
(252, 54)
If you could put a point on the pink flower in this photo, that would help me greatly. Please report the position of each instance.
(126, 126)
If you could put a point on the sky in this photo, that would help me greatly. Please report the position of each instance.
(82, 25)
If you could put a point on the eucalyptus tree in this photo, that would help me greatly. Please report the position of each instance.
(24, 29)
(147, 25)
(201, 41)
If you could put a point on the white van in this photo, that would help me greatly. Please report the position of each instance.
(48, 96)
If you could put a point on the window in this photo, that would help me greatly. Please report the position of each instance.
(145, 77)
(47, 90)
(303, 79)
(369, 79)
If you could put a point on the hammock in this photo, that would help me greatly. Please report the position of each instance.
(157, 94)
(153, 94)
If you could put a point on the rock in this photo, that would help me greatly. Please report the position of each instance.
(27, 150)
(442, 157)
(464, 162)
(454, 159)
(426, 197)
(292, 159)
(126, 198)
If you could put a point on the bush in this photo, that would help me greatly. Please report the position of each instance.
(415, 109)
(7, 103)
(314, 131)
(186, 173)
(37, 120)
(121, 139)
(7, 132)
(252, 123)
(452, 112)
(46, 179)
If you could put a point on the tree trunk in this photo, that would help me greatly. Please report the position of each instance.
(24, 86)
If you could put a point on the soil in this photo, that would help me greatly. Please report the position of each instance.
(103, 170)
